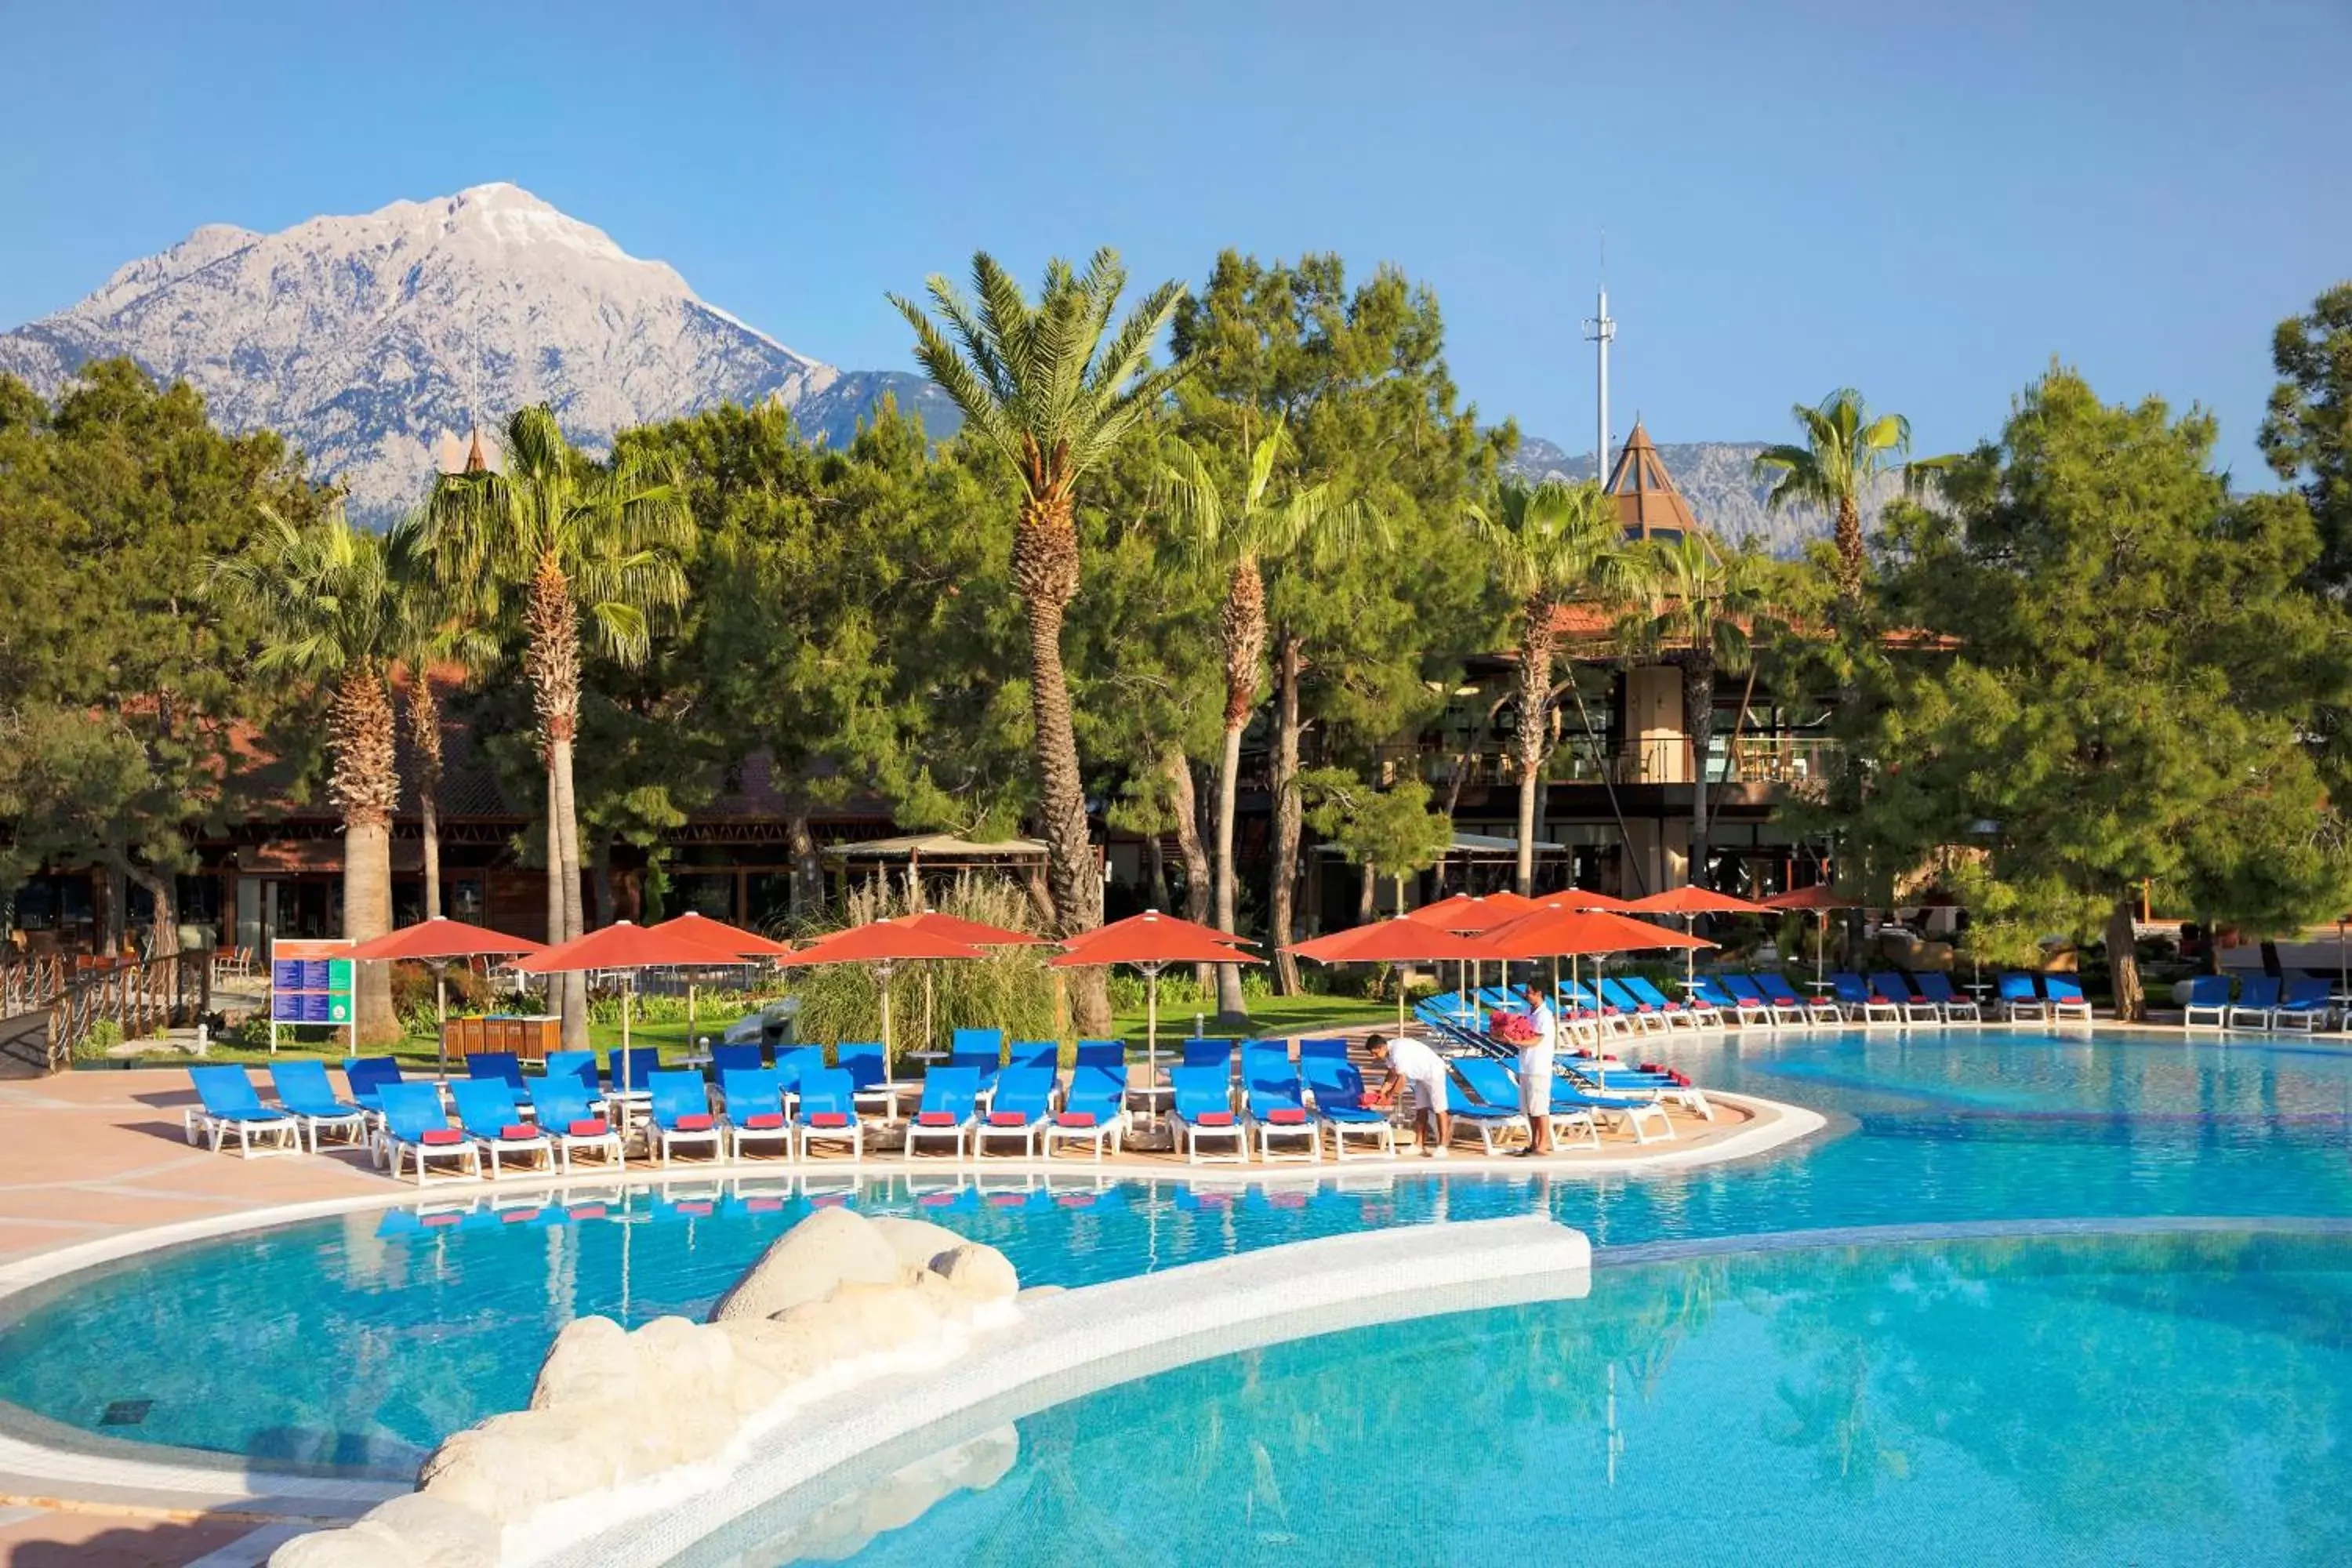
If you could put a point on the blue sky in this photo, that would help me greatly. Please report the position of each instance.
(1925, 201)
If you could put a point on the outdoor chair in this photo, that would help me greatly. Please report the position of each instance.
(1937, 988)
(2067, 1000)
(225, 1103)
(1500, 1087)
(2019, 999)
(1094, 1110)
(948, 1109)
(737, 1056)
(569, 1117)
(1489, 1120)
(1859, 1001)
(827, 1112)
(417, 1128)
(1749, 1002)
(2258, 998)
(870, 1073)
(492, 1117)
(304, 1093)
(678, 1116)
(502, 1064)
(1340, 1109)
(1811, 1009)
(1020, 1109)
(2303, 1007)
(1916, 1006)
(1203, 1094)
(754, 1102)
(1278, 1108)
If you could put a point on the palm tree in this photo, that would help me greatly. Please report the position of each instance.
(1235, 540)
(1550, 543)
(1845, 451)
(441, 635)
(1698, 608)
(1045, 387)
(576, 542)
(325, 594)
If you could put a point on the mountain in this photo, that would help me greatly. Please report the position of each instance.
(375, 342)
(1714, 477)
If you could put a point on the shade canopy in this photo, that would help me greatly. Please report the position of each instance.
(1465, 912)
(1567, 933)
(881, 942)
(1819, 896)
(443, 938)
(1152, 919)
(1153, 940)
(1693, 899)
(1392, 942)
(1583, 899)
(720, 935)
(972, 933)
(624, 945)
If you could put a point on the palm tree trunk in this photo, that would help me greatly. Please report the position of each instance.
(1537, 644)
(1698, 720)
(365, 785)
(1185, 806)
(551, 659)
(808, 873)
(1045, 570)
(424, 737)
(1243, 631)
(2123, 961)
(1849, 551)
(1231, 1007)
(1289, 664)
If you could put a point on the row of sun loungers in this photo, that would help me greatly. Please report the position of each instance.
(2304, 1002)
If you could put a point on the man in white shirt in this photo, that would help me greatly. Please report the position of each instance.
(1422, 1073)
(1535, 1071)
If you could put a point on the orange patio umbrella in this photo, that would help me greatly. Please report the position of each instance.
(1690, 901)
(1572, 934)
(1396, 940)
(436, 943)
(1150, 943)
(885, 944)
(625, 948)
(972, 933)
(1821, 897)
(719, 934)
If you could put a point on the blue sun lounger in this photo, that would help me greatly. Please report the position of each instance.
(1936, 986)
(1339, 1090)
(1857, 1000)
(869, 1072)
(2257, 999)
(1498, 1088)
(1094, 1110)
(755, 1112)
(948, 1109)
(2304, 1006)
(492, 1118)
(503, 1064)
(2067, 1000)
(1203, 1108)
(734, 1057)
(679, 1116)
(1916, 1006)
(1277, 1107)
(225, 1103)
(827, 1112)
(570, 1114)
(364, 1075)
(1488, 1119)
(2019, 999)
(1020, 1109)
(415, 1126)
(304, 1093)
(1750, 1003)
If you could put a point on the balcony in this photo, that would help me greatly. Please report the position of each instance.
(1768, 759)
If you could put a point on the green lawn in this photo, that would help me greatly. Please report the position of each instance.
(1269, 1017)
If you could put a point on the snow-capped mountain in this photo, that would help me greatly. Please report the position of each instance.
(1717, 478)
(376, 342)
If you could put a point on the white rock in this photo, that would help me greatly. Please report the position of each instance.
(916, 1241)
(979, 1273)
(807, 1261)
(589, 1362)
(434, 1533)
(340, 1549)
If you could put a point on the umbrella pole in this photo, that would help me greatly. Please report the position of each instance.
(1821, 948)
(441, 1017)
(929, 1035)
(882, 977)
(1150, 1024)
(689, 1013)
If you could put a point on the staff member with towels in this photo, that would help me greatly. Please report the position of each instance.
(1415, 1066)
(1534, 1071)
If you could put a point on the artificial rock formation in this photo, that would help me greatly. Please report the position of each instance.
(621, 1423)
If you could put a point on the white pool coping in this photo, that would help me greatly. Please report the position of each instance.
(1075, 1343)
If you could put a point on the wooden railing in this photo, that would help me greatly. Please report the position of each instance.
(141, 997)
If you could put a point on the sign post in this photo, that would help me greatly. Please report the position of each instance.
(311, 983)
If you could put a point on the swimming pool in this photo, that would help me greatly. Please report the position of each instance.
(2149, 1400)
(359, 1343)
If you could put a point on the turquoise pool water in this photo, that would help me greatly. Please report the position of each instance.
(2176, 1400)
(361, 1341)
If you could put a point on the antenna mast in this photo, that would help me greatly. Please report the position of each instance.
(1600, 331)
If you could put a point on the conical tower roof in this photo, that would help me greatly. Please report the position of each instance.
(475, 462)
(1648, 504)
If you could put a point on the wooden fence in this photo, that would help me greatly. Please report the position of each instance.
(142, 998)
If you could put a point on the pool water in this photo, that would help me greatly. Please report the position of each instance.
(359, 1343)
(2157, 1400)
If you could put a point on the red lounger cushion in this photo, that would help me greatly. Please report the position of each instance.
(440, 1135)
(1285, 1115)
(828, 1119)
(935, 1118)
(589, 1127)
(694, 1124)
(518, 1131)
(765, 1121)
(1075, 1118)
(1215, 1119)
(1007, 1119)
(1878, 1000)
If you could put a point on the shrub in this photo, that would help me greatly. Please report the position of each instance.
(101, 1038)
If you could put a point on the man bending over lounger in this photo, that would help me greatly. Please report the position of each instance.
(1422, 1072)
(1535, 1072)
